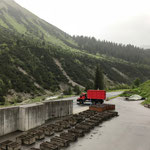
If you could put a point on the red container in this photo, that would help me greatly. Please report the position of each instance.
(96, 94)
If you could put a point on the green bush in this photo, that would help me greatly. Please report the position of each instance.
(2, 100)
(68, 91)
(77, 90)
(127, 93)
(147, 101)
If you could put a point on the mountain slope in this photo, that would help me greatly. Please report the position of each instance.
(36, 57)
(15, 17)
(126, 52)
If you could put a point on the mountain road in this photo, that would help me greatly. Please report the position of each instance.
(129, 131)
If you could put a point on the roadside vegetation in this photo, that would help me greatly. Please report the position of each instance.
(140, 89)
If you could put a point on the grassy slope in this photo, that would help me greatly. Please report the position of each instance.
(79, 65)
(29, 24)
(75, 62)
(143, 90)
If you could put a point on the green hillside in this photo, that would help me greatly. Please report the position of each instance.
(128, 52)
(37, 58)
(143, 90)
(18, 19)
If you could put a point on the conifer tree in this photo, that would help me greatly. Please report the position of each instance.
(99, 79)
(77, 90)
(136, 82)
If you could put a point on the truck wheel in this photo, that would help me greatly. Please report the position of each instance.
(80, 101)
(101, 101)
(93, 102)
(96, 102)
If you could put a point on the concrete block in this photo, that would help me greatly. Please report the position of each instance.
(57, 108)
(31, 116)
(48, 109)
(1, 121)
(66, 107)
(23, 119)
(10, 119)
(70, 107)
(54, 107)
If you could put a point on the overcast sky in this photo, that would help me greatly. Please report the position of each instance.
(121, 21)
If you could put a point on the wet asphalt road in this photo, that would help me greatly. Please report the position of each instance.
(129, 131)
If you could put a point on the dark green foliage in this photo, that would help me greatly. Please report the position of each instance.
(68, 91)
(2, 100)
(89, 87)
(136, 82)
(77, 71)
(77, 90)
(22, 64)
(128, 93)
(118, 87)
(99, 79)
(126, 52)
(36, 59)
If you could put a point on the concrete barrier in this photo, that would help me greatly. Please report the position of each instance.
(57, 108)
(11, 119)
(8, 120)
(1, 122)
(29, 116)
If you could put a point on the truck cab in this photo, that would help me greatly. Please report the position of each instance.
(82, 98)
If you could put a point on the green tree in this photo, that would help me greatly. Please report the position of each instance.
(136, 82)
(77, 90)
(68, 91)
(99, 79)
(89, 86)
(2, 100)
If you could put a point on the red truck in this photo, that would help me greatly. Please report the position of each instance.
(94, 96)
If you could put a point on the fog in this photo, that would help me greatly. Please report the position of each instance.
(121, 21)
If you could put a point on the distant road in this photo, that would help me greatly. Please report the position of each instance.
(111, 94)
